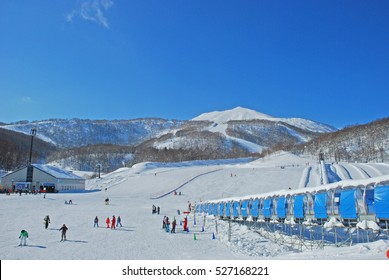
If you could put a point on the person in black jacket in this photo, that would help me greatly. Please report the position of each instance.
(63, 234)
(47, 221)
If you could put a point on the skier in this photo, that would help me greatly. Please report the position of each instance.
(63, 234)
(119, 222)
(46, 221)
(167, 224)
(107, 201)
(164, 222)
(186, 224)
(174, 223)
(113, 222)
(108, 221)
(153, 209)
(23, 238)
(158, 210)
(96, 224)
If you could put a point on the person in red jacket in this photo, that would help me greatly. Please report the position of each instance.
(108, 221)
(186, 224)
(113, 222)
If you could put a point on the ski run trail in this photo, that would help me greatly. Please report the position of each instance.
(133, 191)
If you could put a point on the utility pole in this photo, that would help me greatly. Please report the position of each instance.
(99, 168)
(30, 168)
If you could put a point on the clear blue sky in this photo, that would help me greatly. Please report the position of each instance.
(326, 61)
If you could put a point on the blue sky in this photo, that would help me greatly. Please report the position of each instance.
(326, 61)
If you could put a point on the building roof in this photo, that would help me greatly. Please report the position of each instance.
(56, 172)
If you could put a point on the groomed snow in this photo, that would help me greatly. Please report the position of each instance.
(131, 190)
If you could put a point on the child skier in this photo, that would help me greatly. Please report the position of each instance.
(23, 238)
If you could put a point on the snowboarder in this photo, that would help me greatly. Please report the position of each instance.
(113, 222)
(96, 224)
(108, 222)
(119, 222)
(174, 223)
(46, 221)
(63, 233)
(23, 238)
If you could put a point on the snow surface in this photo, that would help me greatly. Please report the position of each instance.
(244, 114)
(131, 190)
(236, 114)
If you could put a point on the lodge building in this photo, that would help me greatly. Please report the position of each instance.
(42, 178)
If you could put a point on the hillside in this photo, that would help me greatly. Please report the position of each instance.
(234, 133)
(362, 143)
(15, 149)
(69, 133)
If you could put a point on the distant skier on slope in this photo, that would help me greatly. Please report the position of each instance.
(186, 224)
(46, 221)
(96, 224)
(113, 222)
(23, 238)
(108, 222)
(63, 233)
(174, 223)
(119, 222)
(167, 224)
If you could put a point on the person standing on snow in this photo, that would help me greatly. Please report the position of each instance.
(186, 224)
(63, 233)
(174, 223)
(164, 222)
(46, 221)
(167, 224)
(113, 222)
(108, 222)
(119, 222)
(96, 224)
(23, 238)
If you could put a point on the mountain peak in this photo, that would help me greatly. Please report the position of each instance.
(235, 114)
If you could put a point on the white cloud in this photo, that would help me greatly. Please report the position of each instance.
(92, 10)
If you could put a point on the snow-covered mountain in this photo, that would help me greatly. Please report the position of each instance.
(238, 132)
(240, 129)
(66, 133)
(243, 114)
(236, 114)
